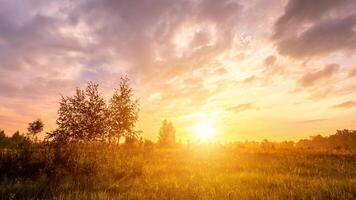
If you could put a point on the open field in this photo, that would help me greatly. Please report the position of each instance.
(190, 173)
(178, 99)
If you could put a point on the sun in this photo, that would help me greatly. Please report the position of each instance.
(204, 131)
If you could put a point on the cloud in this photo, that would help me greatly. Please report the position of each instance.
(142, 31)
(346, 104)
(270, 60)
(100, 40)
(186, 54)
(337, 89)
(220, 71)
(309, 121)
(313, 28)
(241, 107)
(39, 88)
(352, 72)
(250, 79)
(310, 79)
(271, 66)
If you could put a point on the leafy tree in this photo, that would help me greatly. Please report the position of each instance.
(86, 117)
(4, 141)
(95, 113)
(123, 112)
(18, 139)
(81, 117)
(35, 127)
(343, 139)
(2, 134)
(167, 134)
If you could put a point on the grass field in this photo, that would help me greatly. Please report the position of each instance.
(194, 173)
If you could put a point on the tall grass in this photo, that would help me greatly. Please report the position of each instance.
(97, 171)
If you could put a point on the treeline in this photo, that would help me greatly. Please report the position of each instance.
(88, 117)
(166, 138)
(341, 140)
(15, 141)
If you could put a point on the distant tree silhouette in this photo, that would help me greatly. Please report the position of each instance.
(123, 112)
(319, 141)
(35, 127)
(148, 144)
(133, 141)
(81, 117)
(267, 145)
(286, 145)
(18, 140)
(167, 134)
(3, 139)
(343, 139)
(15, 141)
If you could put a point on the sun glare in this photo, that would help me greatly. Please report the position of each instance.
(204, 131)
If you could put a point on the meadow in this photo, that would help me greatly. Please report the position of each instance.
(94, 171)
(85, 158)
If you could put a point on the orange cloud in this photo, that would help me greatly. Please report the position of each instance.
(241, 107)
(346, 104)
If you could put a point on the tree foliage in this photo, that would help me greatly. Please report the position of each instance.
(15, 141)
(35, 127)
(342, 139)
(123, 112)
(167, 134)
(81, 117)
(85, 116)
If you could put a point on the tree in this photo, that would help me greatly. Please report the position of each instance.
(318, 141)
(95, 113)
(167, 134)
(4, 141)
(86, 116)
(18, 140)
(123, 112)
(35, 127)
(81, 117)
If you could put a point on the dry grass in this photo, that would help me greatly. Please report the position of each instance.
(197, 173)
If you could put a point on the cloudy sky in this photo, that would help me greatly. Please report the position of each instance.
(254, 69)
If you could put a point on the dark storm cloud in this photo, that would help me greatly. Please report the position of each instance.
(318, 27)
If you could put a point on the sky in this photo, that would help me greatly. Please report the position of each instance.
(252, 69)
